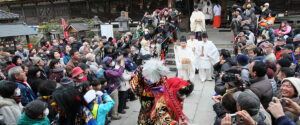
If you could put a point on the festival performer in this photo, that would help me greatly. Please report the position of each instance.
(192, 42)
(207, 55)
(197, 22)
(145, 84)
(168, 106)
(184, 57)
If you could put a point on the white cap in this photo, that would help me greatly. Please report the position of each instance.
(266, 4)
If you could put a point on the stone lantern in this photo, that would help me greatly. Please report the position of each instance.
(123, 22)
(95, 24)
(54, 34)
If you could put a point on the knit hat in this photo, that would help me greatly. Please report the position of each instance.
(249, 102)
(281, 39)
(83, 66)
(204, 35)
(35, 60)
(182, 39)
(66, 81)
(35, 108)
(76, 71)
(266, 4)
(246, 28)
(270, 73)
(287, 46)
(242, 59)
(284, 62)
(295, 82)
(192, 34)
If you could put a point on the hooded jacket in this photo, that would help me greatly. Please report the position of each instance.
(295, 82)
(25, 120)
(10, 110)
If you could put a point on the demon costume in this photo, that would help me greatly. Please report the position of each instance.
(145, 85)
(168, 106)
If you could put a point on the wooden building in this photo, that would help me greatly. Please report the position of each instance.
(35, 12)
(77, 29)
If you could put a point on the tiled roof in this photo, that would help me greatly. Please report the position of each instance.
(79, 26)
(8, 16)
(13, 29)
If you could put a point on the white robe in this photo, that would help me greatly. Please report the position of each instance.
(192, 44)
(205, 63)
(197, 26)
(207, 10)
(185, 71)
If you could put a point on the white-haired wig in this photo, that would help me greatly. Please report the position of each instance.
(154, 69)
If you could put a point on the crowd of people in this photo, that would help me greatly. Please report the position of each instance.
(259, 82)
(89, 81)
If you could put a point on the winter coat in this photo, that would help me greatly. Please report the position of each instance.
(223, 67)
(220, 86)
(66, 58)
(262, 87)
(124, 82)
(56, 74)
(284, 120)
(25, 120)
(24, 54)
(245, 73)
(70, 66)
(10, 110)
(113, 78)
(26, 92)
(101, 109)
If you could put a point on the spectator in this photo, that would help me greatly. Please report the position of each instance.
(225, 61)
(56, 72)
(4, 59)
(67, 56)
(23, 53)
(74, 107)
(75, 58)
(34, 78)
(250, 35)
(78, 75)
(16, 61)
(38, 62)
(285, 28)
(46, 88)
(56, 55)
(17, 75)
(10, 98)
(113, 75)
(290, 89)
(35, 113)
(269, 32)
(260, 84)
(268, 50)
(242, 61)
(276, 109)
(249, 102)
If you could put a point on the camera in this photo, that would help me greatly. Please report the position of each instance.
(283, 103)
(229, 77)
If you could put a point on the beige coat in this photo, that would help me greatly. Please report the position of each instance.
(197, 21)
(10, 110)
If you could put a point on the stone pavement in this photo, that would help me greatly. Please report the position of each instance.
(198, 106)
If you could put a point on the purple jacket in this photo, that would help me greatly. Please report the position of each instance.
(113, 78)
